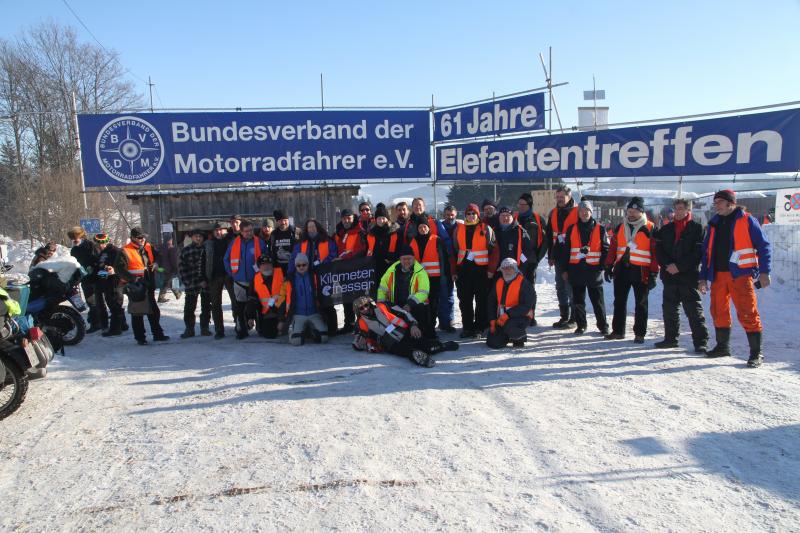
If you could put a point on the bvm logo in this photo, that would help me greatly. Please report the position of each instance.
(130, 150)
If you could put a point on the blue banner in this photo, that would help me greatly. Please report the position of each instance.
(746, 144)
(196, 148)
(511, 115)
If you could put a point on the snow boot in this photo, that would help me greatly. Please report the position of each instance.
(666, 343)
(638, 339)
(754, 340)
(519, 343)
(562, 323)
(188, 333)
(422, 358)
(723, 347)
(580, 330)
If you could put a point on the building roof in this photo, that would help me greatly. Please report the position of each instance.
(222, 190)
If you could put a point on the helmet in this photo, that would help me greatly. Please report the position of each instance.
(361, 301)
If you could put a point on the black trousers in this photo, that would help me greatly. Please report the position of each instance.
(675, 295)
(622, 287)
(329, 316)
(514, 329)
(433, 303)
(154, 318)
(530, 275)
(215, 288)
(473, 288)
(98, 315)
(349, 314)
(267, 326)
(231, 295)
(598, 305)
(190, 306)
(109, 295)
(405, 346)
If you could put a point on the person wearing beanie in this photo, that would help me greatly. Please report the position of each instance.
(266, 229)
(679, 249)
(489, 214)
(365, 216)
(563, 215)
(474, 245)
(217, 276)
(447, 301)
(534, 224)
(268, 296)
(240, 264)
(430, 252)
(192, 272)
(86, 253)
(406, 284)
(234, 230)
(736, 252)
(582, 267)
(303, 313)
(394, 330)
(512, 241)
(320, 249)
(509, 307)
(136, 265)
(167, 259)
(107, 287)
(282, 241)
(632, 264)
(418, 215)
(382, 240)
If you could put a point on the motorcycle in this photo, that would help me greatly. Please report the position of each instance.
(25, 352)
(55, 299)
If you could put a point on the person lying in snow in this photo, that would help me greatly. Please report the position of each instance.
(395, 330)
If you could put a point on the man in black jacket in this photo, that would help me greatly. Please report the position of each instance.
(582, 262)
(282, 240)
(107, 285)
(216, 276)
(86, 253)
(679, 250)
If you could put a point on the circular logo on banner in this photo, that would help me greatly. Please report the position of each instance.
(129, 149)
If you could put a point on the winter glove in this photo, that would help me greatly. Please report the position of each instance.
(493, 326)
(651, 283)
(502, 319)
(608, 275)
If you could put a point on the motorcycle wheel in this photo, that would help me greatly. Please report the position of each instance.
(70, 323)
(13, 390)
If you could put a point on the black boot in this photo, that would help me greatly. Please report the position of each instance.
(562, 324)
(754, 340)
(723, 347)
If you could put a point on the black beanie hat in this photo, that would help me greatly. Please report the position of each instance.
(726, 194)
(486, 202)
(346, 212)
(381, 211)
(637, 202)
(279, 214)
(137, 232)
(527, 197)
(405, 250)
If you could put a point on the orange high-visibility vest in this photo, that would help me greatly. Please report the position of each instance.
(593, 257)
(480, 246)
(571, 219)
(348, 243)
(265, 293)
(371, 240)
(236, 252)
(640, 250)
(389, 318)
(135, 262)
(743, 254)
(322, 250)
(512, 295)
(430, 256)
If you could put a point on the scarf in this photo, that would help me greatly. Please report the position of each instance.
(631, 228)
(680, 225)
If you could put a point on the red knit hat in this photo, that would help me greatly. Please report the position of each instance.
(473, 207)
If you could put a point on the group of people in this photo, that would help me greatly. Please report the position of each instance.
(489, 259)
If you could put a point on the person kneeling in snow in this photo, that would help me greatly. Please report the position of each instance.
(303, 314)
(394, 330)
(510, 307)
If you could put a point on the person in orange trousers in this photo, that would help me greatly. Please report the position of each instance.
(735, 253)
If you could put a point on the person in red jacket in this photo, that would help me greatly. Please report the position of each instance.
(631, 262)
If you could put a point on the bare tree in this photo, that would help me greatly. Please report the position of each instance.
(42, 73)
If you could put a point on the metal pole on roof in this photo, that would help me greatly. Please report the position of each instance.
(321, 93)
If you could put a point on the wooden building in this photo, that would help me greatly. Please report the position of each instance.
(186, 209)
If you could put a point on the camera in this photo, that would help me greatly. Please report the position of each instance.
(584, 250)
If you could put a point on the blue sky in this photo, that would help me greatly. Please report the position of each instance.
(655, 59)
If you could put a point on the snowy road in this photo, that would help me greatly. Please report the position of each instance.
(568, 434)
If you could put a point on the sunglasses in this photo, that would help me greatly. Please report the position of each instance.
(365, 209)
(364, 307)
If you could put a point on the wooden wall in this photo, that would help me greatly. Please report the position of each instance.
(320, 203)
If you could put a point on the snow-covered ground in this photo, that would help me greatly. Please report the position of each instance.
(567, 434)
